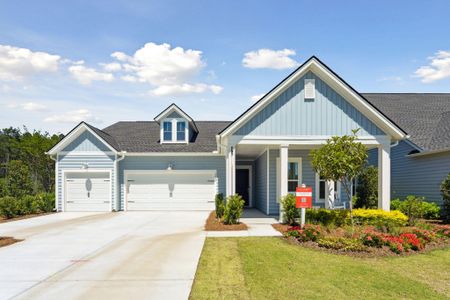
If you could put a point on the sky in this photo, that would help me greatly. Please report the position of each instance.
(62, 62)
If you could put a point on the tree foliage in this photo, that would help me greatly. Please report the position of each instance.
(342, 159)
(367, 188)
(445, 190)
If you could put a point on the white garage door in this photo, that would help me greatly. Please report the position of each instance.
(171, 191)
(88, 192)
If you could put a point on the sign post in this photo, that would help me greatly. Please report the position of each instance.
(303, 201)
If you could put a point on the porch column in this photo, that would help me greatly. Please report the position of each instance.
(230, 167)
(384, 176)
(283, 175)
(329, 194)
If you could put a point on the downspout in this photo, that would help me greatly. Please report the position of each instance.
(116, 177)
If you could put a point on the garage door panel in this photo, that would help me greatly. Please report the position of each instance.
(88, 191)
(170, 191)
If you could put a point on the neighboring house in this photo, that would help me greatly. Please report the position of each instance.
(175, 162)
(422, 162)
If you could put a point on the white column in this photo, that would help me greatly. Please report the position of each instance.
(384, 176)
(230, 164)
(233, 170)
(329, 194)
(284, 158)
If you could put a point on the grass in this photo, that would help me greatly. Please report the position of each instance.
(271, 268)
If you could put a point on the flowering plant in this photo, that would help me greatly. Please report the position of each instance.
(308, 233)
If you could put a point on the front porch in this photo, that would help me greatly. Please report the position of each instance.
(262, 173)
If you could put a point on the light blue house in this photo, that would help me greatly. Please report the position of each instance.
(175, 162)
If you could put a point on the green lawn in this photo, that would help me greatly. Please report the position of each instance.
(270, 268)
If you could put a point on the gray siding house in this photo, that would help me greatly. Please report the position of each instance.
(175, 162)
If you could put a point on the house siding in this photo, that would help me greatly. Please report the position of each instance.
(87, 142)
(419, 176)
(261, 182)
(216, 163)
(290, 114)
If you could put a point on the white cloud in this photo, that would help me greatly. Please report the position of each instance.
(28, 106)
(185, 88)
(439, 68)
(73, 117)
(256, 97)
(86, 75)
(17, 63)
(112, 67)
(269, 59)
(169, 70)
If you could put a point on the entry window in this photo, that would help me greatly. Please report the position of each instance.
(181, 131)
(167, 134)
(293, 176)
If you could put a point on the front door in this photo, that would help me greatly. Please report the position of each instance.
(243, 184)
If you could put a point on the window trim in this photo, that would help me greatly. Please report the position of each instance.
(300, 173)
(174, 122)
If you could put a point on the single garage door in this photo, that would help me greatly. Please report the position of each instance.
(88, 191)
(171, 191)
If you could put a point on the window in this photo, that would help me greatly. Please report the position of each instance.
(167, 134)
(293, 177)
(321, 185)
(181, 131)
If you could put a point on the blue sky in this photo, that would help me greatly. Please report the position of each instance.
(63, 61)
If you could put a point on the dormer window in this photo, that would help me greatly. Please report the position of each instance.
(167, 131)
(181, 131)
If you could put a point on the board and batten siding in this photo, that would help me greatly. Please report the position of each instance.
(419, 176)
(260, 187)
(85, 150)
(290, 114)
(216, 163)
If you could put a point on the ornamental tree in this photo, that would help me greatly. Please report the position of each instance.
(342, 159)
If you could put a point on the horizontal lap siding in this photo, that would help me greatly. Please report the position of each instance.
(216, 163)
(291, 114)
(308, 176)
(74, 161)
(419, 176)
(261, 182)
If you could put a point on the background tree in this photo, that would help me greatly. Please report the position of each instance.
(18, 181)
(445, 190)
(367, 188)
(341, 159)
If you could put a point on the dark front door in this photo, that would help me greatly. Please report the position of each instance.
(243, 184)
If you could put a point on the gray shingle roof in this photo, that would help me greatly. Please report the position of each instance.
(143, 136)
(108, 138)
(425, 117)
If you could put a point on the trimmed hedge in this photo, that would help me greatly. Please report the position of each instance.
(290, 211)
(233, 209)
(11, 207)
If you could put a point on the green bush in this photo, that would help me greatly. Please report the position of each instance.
(220, 205)
(417, 208)
(19, 181)
(327, 217)
(445, 191)
(385, 220)
(233, 209)
(341, 243)
(9, 207)
(27, 205)
(367, 188)
(290, 212)
(45, 202)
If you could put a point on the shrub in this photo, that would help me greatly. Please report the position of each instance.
(220, 205)
(431, 211)
(308, 233)
(397, 243)
(327, 217)
(341, 243)
(445, 191)
(27, 205)
(233, 209)
(367, 188)
(8, 207)
(380, 218)
(45, 202)
(416, 207)
(290, 211)
(19, 180)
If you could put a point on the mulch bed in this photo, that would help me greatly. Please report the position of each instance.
(6, 241)
(213, 224)
(3, 220)
(369, 252)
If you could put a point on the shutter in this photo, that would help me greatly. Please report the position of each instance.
(310, 88)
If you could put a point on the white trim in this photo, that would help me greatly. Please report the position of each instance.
(57, 184)
(268, 181)
(63, 190)
(250, 185)
(174, 122)
(342, 88)
(301, 140)
(170, 109)
(86, 153)
(299, 161)
(317, 193)
(73, 135)
(174, 154)
(384, 177)
(126, 173)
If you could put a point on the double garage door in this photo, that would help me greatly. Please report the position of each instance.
(171, 190)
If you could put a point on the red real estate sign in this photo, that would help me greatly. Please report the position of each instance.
(303, 197)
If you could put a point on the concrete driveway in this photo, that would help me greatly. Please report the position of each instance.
(124, 255)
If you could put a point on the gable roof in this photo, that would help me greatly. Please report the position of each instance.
(77, 130)
(336, 82)
(425, 116)
(171, 108)
(143, 136)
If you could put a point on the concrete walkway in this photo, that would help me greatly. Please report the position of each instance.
(125, 255)
(258, 224)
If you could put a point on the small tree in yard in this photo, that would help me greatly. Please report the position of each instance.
(445, 190)
(367, 188)
(340, 159)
